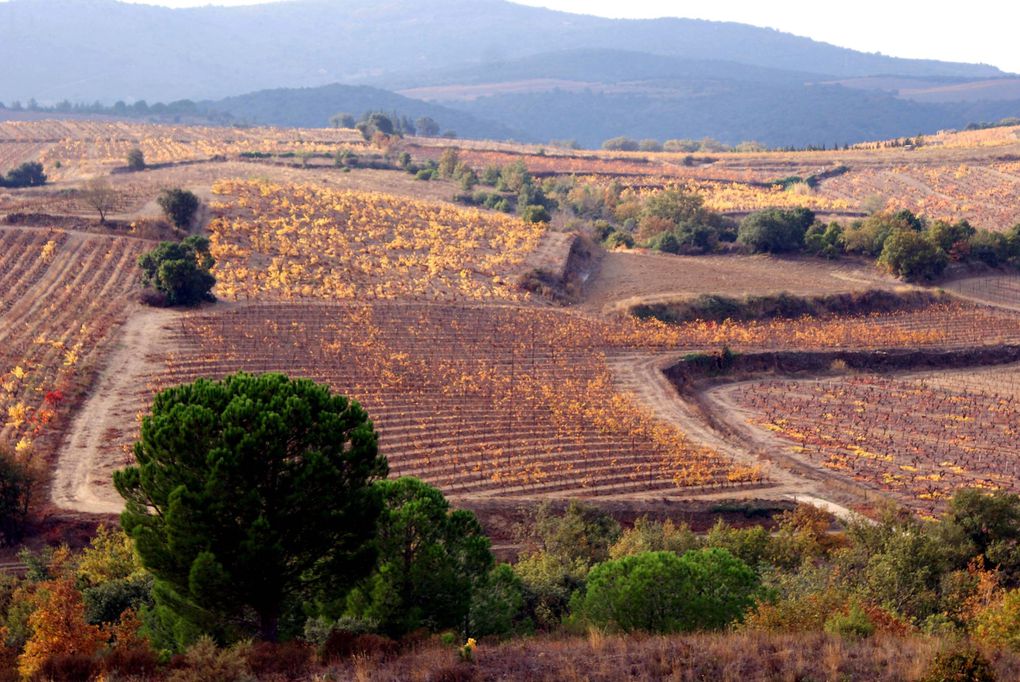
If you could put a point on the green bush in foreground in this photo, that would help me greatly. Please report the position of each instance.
(662, 592)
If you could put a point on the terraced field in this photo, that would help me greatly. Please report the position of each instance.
(62, 296)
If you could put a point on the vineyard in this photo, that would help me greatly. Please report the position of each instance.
(919, 437)
(983, 194)
(413, 305)
(503, 400)
(98, 144)
(959, 175)
(304, 241)
(1001, 290)
(61, 295)
(475, 399)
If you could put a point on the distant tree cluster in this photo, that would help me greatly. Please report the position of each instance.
(672, 220)
(514, 188)
(906, 245)
(377, 122)
(28, 174)
(706, 145)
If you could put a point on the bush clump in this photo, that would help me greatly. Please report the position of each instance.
(776, 230)
(704, 589)
(180, 272)
(28, 174)
(179, 206)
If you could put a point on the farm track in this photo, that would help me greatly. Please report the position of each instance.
(82, 477)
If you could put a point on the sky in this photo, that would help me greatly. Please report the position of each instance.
(980, 31)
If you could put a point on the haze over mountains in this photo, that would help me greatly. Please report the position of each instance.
(492, 68)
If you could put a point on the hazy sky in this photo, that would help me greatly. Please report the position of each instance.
(975, 31)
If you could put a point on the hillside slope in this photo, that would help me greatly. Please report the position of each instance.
(102, 49)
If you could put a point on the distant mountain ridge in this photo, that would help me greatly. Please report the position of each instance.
(102, 49)
(485, 68)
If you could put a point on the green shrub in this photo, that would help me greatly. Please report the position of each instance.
(621, 144)
(912, 256)
(662, 592)
(775, 230)
(825, 241)
(991, 248)
(179, 206)
(618, 239)
(852, 624)
(867, 237)
(180, 272)
(136, 159)
(665, 242)
(535, 213)
(497, 604)
(431, 560)
(28, 174)
(951, 236)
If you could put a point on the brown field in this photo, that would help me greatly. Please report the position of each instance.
(917, 436)
(626, 278)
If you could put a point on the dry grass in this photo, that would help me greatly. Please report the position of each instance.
(743, 657)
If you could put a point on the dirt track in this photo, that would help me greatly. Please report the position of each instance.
(82, 480)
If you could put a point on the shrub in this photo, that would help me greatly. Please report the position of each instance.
(801, 613)
(621, 144)
(775, 230)
(998, 624)
(205, 661)
(130, 662)
(288, 661)
(28, 174)
(662, 592)
(960, 664)
(136, 159)
(431, 560)
(912, 256)
(106, 601)
(825, 241)
(618, 239)
(654, 536)
(948, 236)
(534, 213)
(991, 248)
(851, 624)
(179, 206)
(68, 668)
(342, 644)
(181, 271)
(867, 237)
(497, 604)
